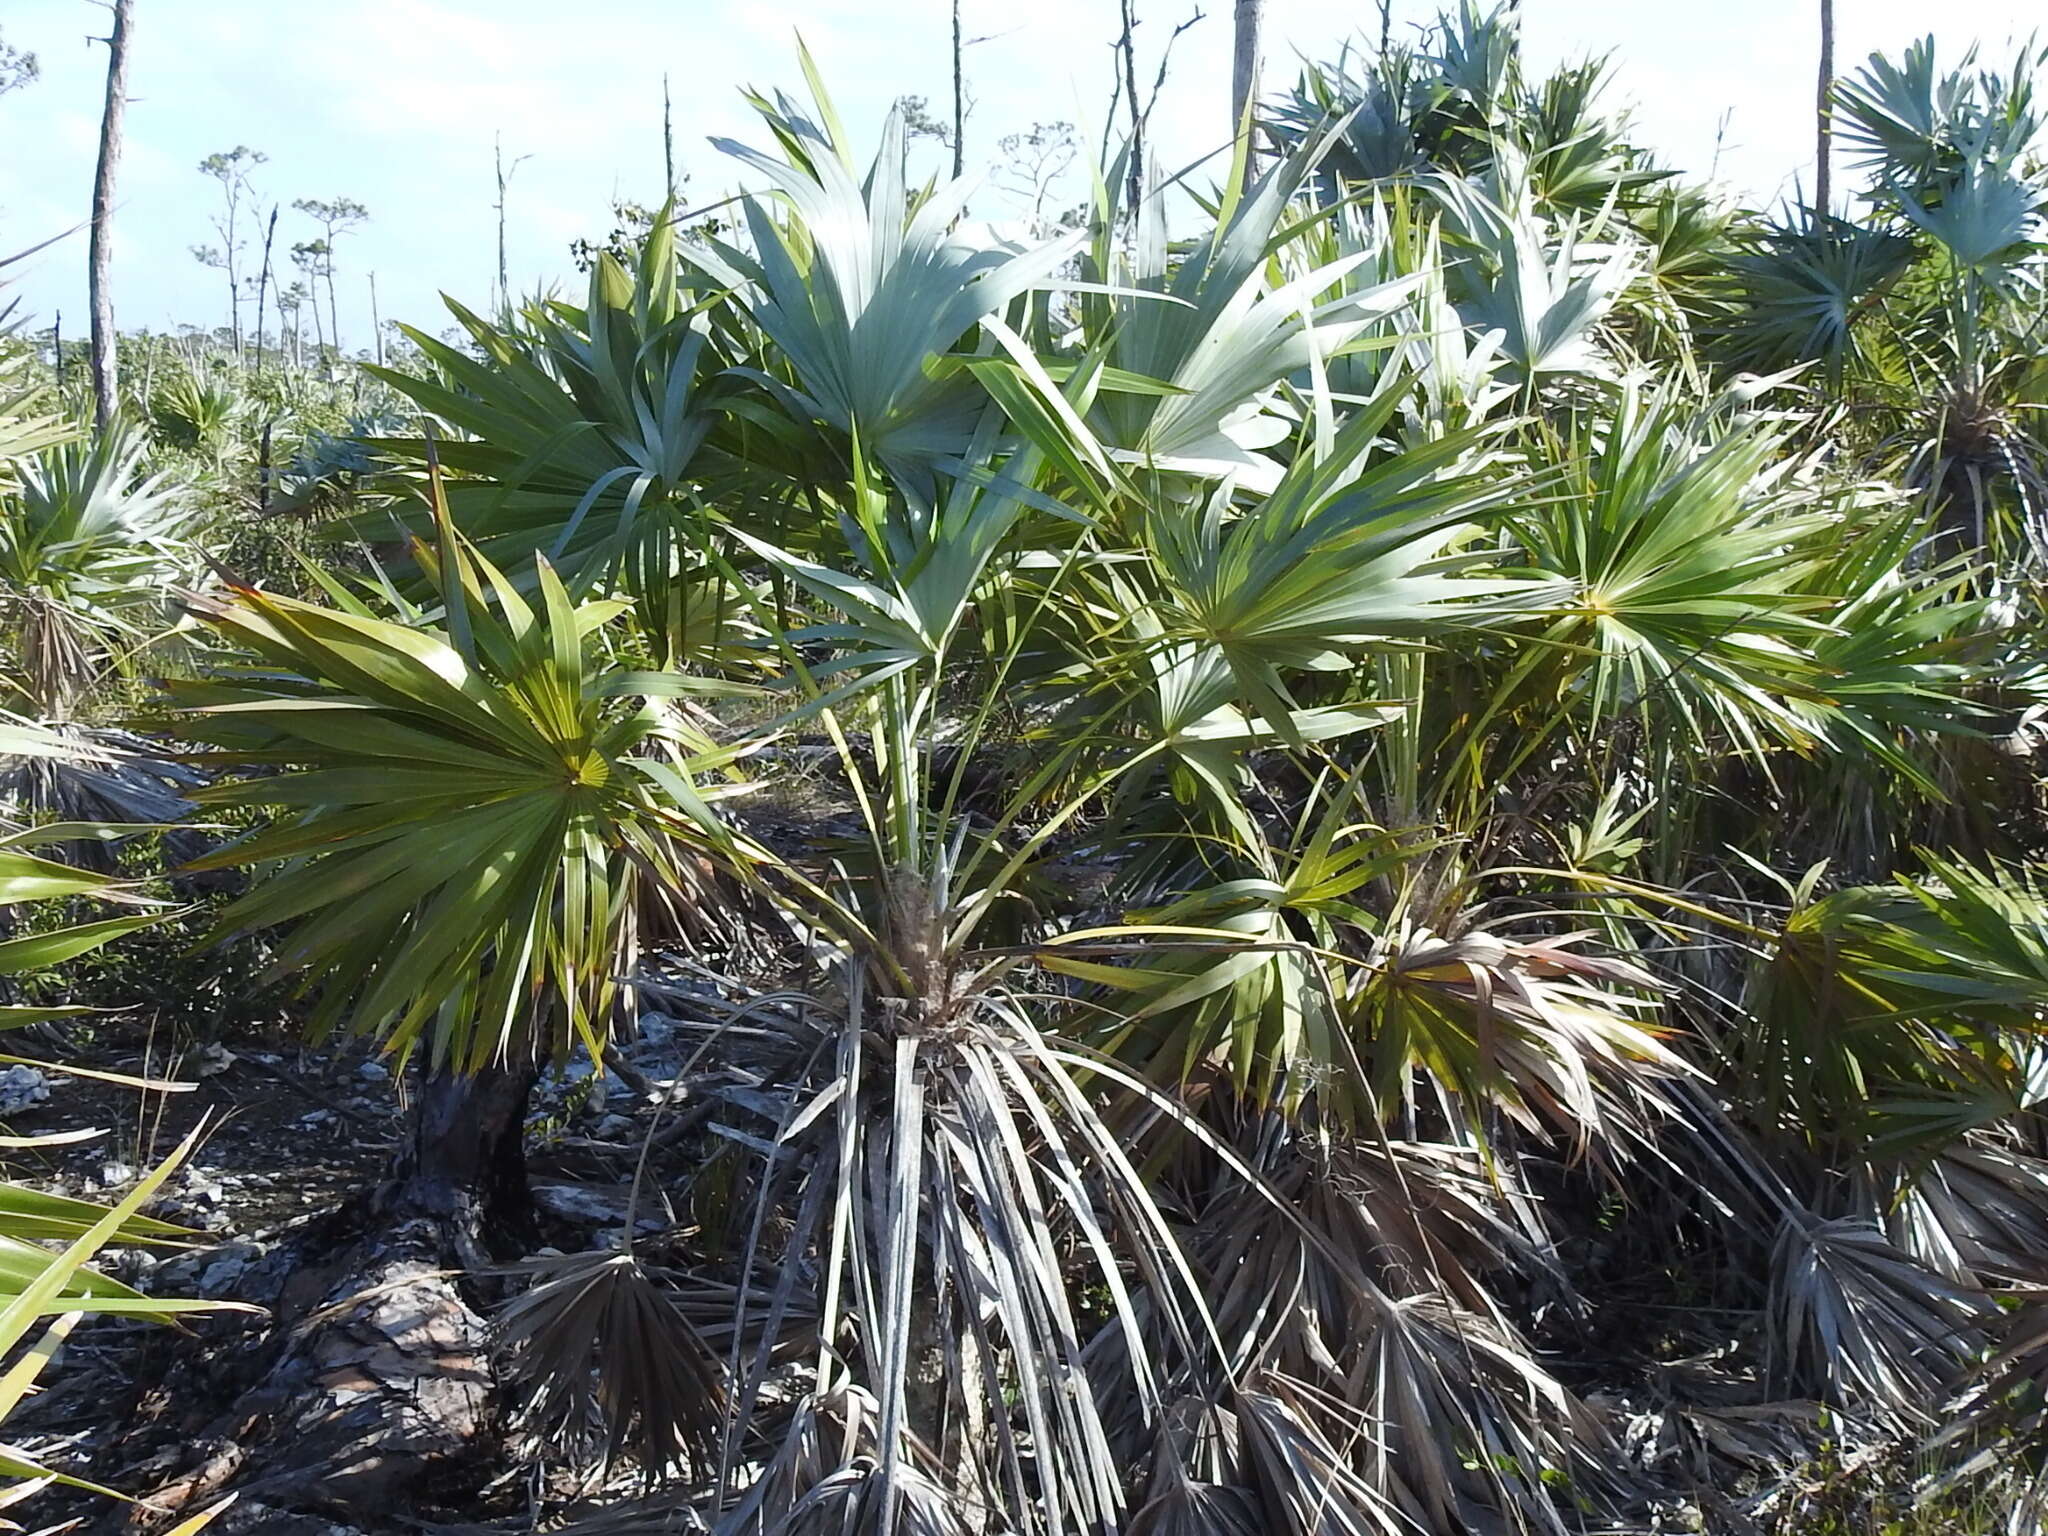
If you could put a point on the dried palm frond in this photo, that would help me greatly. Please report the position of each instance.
(1867, 1324)
(1978, 1212)
(964, 1207)
(607, 1364)
(1533, 1029)
(117, 782)
(1301, 1450)
(825, 1479)
(1351, 1289)
(2003, 1407)
(1198, 1485)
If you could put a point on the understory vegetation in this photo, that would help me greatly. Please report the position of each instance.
(1356, 848)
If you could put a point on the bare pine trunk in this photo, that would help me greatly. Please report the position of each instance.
(504, 275)
(959, 100)
(1824, 105)
(333, 310)
(1244, 73)
(105, 345)
(263, 286)
(668, 141)
(1127, 49)
(234, 282)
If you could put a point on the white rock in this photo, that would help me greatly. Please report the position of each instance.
(21, 1087)
(656, 1030)
(585, 1207)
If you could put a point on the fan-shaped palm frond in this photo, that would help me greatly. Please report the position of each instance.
(461, 815)
(1340, 556)
(1796, 293)
(1545, 295)
(1214, 331)
(583, 436)
(1683, 547)
(1900, 1016)
(89, 544)
(1870, 1326)
(862, 285)
(1914, 123)
(602, 1354)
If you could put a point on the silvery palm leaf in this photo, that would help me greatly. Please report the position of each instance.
(861, 284)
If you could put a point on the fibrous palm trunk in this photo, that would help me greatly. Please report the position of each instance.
(373, 1388)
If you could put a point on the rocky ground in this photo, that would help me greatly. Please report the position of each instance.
(291, 1138)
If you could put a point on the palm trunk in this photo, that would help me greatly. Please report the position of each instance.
(105, 345)
(467, 1161)
(373, 1386)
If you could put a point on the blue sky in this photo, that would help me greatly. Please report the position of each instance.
(396, 103)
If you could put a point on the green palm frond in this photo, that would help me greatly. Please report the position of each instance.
(861, 286)
(1987, 217)
(582, 436)
(1798, 293)
(1341, 556)
(460, 817)
(1545, 294)
(1682, 546)
(89, 545)
(1216, 329)
(1915, 123)
(1903, 1016)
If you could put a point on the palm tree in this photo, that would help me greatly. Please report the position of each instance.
(1386, 798)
